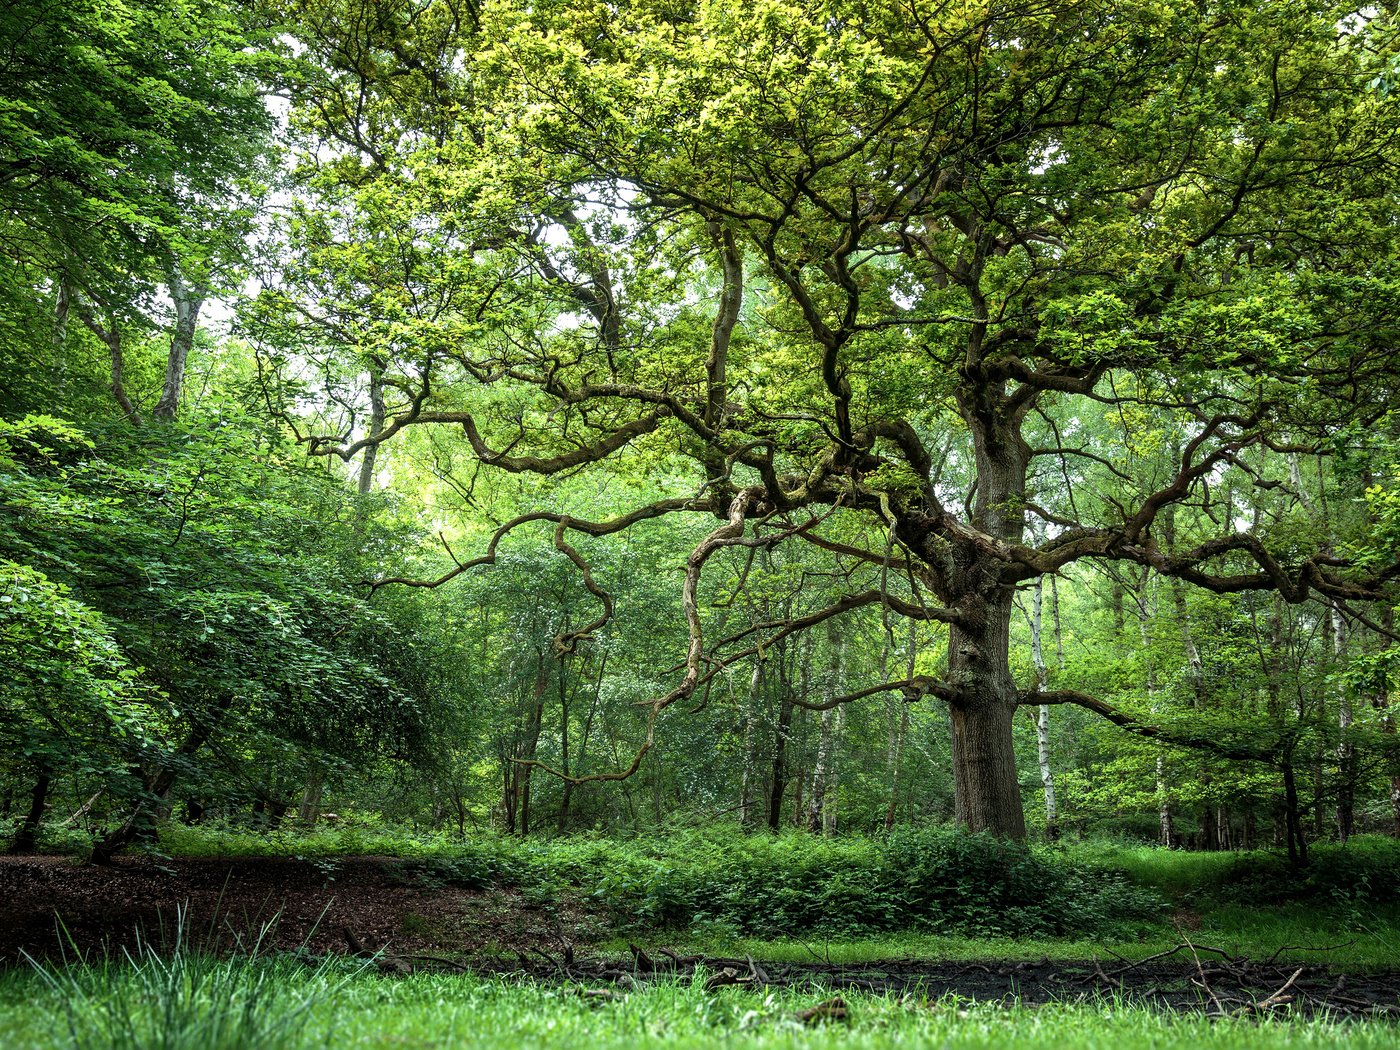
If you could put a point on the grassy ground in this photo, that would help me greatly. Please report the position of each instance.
(448, 1011)
(1345, 912)
(1128, 900)
(1295, 934)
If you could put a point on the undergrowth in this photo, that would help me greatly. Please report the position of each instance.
(929, 881)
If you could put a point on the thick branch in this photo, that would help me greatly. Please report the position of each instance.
(913, 689)
(1133, 724)
(619, 438)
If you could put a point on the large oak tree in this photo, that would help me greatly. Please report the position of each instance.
(892, 278)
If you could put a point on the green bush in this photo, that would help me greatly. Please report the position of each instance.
(1364, 871)
(939, 879)
(791, 885)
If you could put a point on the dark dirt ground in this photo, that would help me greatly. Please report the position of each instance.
(382, 905)
(313, 902)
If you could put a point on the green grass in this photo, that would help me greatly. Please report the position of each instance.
(450, 1011)
(1245, 904)
(1173, 872)
(175, 994)
(1319, 937)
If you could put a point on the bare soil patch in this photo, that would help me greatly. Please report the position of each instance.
(1222, 986)
(310, 903)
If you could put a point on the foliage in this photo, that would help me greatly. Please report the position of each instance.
(944, 290)
(119, 124)
(935, 307)
(218, 608)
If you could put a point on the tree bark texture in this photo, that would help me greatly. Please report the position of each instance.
(820, 814)
(1042, 715)
(377, 414)
(1346, 750)
(778, 785)
(188, 300)
(749, 776)
(27, 834)
(986, 785)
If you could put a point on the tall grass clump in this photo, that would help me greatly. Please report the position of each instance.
(178, 995)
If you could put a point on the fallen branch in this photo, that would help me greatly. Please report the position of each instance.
(1277, 999)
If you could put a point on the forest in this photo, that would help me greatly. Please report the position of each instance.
(919, 478)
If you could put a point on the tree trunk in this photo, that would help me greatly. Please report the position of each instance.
(1346, 750)
(1297, 841)
(820, 817)
(310, 809)
(749, 776)
(899, 723)
(899, 730)
(63, 302)
(780, 742)
(188, 299)
(365, 482)
(533, 722)
(983, 595)
(988, 796)
(158, 787)
(1042, 716)
(111, 336)
(1055, 618)
(27, 834)
(580, 754)
(522, 783)
(1166, 825)
(986, 788)
(562, 824)
(518, 752)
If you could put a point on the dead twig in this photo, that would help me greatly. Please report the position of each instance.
(1203, 983)
(759, 973)
(727, 976)
(1278, 998)
(1305, 948)
(1151, 958)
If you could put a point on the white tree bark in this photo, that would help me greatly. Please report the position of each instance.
(1042, 716)
(188, 300)
(1165, 824)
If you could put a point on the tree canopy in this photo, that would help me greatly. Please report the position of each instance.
(904, 285)
(702, 396)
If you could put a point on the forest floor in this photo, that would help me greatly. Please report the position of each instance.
(53, 907)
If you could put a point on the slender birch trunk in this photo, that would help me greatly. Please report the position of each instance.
(1346, 750)
(1042, 715)
(749, 777)
(820, 815)
(365, 481)
(899, 726)
(1166, 826)
(188, 300)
